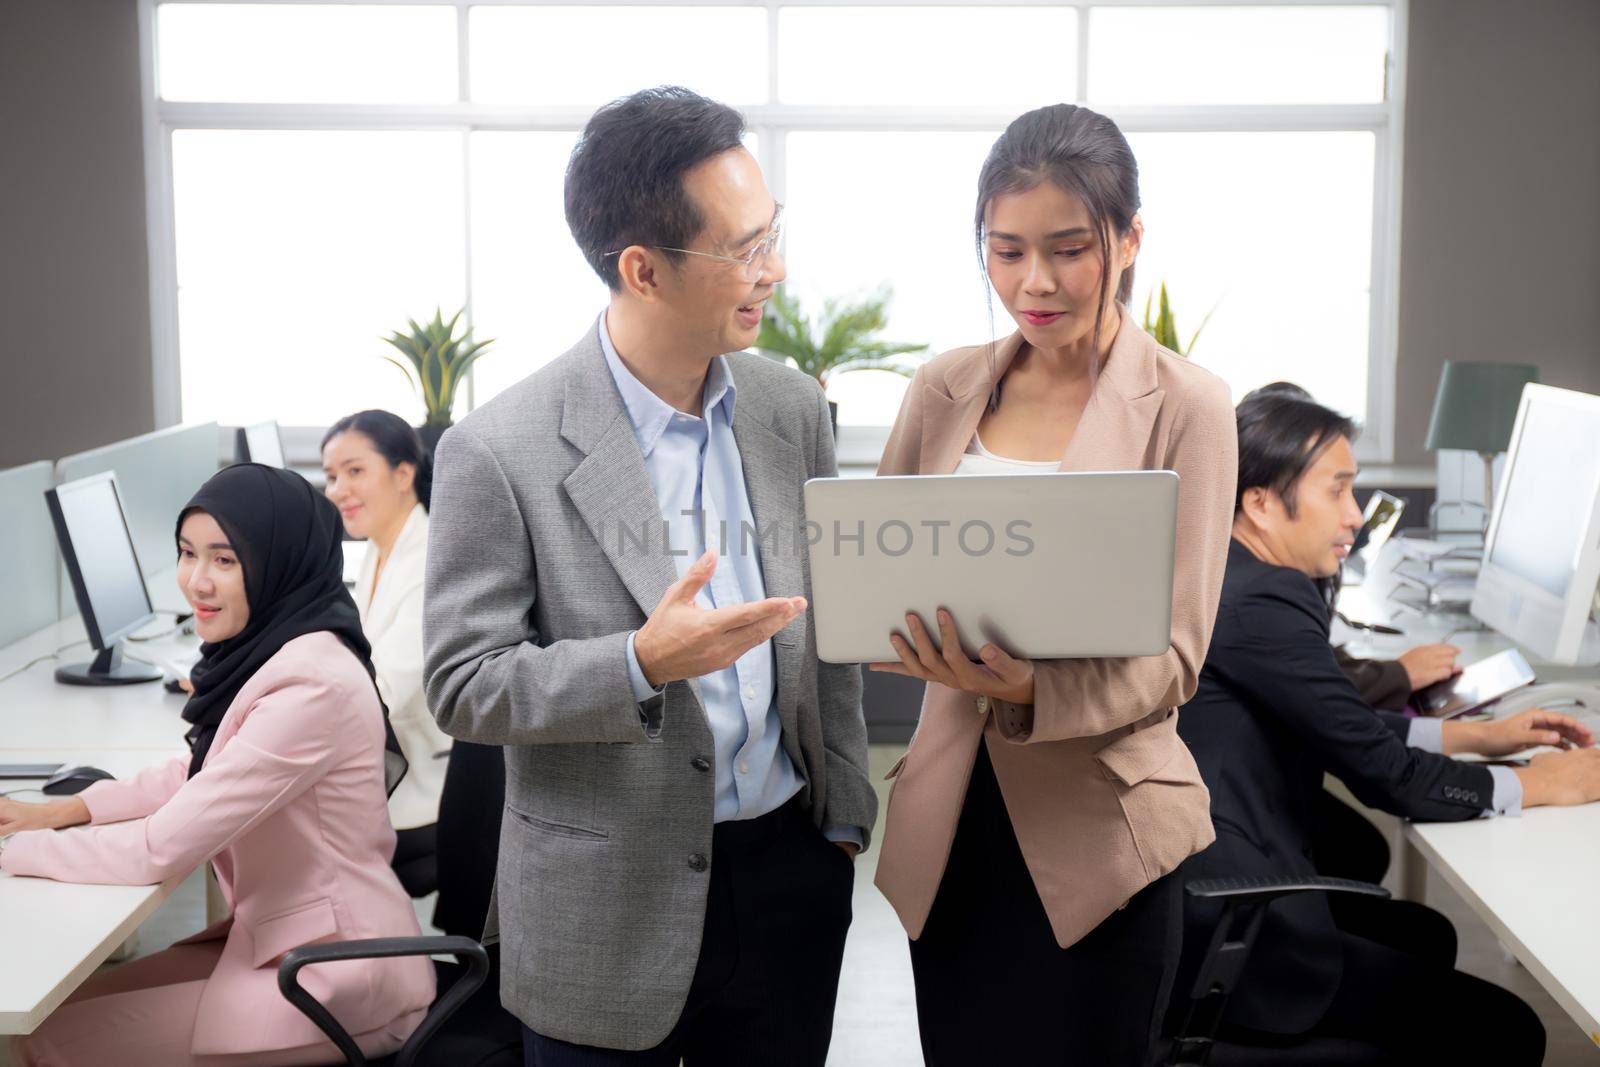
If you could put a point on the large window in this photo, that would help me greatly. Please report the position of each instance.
(320, 172)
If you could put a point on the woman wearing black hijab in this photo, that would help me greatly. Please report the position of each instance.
(285, 792)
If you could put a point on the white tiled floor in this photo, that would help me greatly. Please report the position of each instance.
(875, 1024)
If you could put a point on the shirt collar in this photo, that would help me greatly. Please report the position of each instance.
(650, 414)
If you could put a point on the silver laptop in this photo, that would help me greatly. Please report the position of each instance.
(1047, 566)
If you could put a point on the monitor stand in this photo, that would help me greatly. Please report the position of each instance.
(108, 668)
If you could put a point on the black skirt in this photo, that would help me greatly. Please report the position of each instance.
(994, 987)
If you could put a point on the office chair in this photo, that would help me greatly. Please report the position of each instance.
(466, 1027)
(1245, 902)
(469, 952)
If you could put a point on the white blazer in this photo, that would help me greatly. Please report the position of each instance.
(391, 615)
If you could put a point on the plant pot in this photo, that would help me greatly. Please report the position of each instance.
(430, 436)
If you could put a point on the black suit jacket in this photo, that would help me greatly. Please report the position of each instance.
(1272, 713)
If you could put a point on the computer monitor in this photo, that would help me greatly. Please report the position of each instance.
(1541, 556)
(92, 532)
(1378, 523)
(261, 443)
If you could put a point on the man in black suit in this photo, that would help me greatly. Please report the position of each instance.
(1274, 712)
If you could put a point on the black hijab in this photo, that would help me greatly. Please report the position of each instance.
(287, 537)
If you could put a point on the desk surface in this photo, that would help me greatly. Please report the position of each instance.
(55, 934)
(1533, 880)
(36, 711)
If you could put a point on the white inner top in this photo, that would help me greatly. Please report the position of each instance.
(979, 460)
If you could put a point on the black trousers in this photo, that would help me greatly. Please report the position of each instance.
(470, 807)
(1401, 993)
(1344, 844)
(416, 859)
(763, 991)
(993, 987)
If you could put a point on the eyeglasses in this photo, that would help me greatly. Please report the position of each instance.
(753, 261)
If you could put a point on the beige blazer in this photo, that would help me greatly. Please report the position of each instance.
(391, 617)
(1103, 796)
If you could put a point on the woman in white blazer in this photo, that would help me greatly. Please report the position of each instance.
(380, 476)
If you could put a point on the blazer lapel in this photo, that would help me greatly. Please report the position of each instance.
(1114, 433)
(611, 488)
(949, 421)
(410, 550)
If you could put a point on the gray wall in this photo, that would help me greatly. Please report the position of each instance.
(74, 278)
(1500, 231)
(1500, 224)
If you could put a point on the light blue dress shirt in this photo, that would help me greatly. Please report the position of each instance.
(698, 476)
(1428, 735)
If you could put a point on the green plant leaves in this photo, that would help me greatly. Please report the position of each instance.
(436, 361)
(840, 342)
(1164, 327)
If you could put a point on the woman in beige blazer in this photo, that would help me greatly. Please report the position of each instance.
(1038, 814)
(380, 475)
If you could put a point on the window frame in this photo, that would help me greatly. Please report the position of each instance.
(772, 121)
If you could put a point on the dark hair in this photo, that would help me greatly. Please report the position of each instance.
(1279, 389)
(1280, 435)
(1079, 151)
(625, 178)
(395, 441)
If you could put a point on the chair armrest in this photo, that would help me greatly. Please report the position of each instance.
(1251, 890)
(464, 949)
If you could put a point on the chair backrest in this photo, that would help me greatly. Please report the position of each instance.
(1244, 904)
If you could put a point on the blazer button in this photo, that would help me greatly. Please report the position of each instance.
(700, 764)
(697, 863)
(983, 705)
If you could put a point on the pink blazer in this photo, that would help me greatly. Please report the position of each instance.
(290, 808)
(1103, 796)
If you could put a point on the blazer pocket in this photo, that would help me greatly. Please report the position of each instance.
(580, 833)
(1141, 755)
(277, 934)
(1161, 794)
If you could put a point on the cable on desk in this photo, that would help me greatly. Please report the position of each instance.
(41, 659)
(180, 618)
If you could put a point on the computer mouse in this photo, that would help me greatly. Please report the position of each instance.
(71, 780)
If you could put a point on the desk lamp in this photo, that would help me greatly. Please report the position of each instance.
(1475, 410)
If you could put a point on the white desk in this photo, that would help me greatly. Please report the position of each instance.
(53, 935)
(36, 711)
(1533, 880)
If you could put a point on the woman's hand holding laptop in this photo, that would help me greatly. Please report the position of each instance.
(995, 674)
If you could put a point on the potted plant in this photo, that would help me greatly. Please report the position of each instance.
(841, 340)
(436, 362)
(1164, 327)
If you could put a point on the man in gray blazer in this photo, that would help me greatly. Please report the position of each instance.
(616, 594)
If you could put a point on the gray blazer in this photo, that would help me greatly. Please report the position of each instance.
(536, 575)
